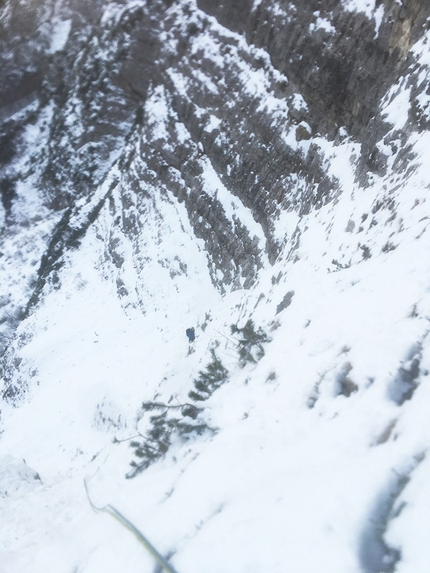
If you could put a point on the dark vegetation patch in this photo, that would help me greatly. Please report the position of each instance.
(209, 380)
(167, 427)
(180, 422)
(249, 342)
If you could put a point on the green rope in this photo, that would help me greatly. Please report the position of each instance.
(141, 538)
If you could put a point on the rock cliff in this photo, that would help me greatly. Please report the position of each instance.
(83, 74)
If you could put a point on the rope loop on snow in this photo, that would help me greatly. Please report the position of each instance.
(127, 524)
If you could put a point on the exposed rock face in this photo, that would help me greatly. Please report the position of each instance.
(28, 31)
(243, 89)
(341, 62)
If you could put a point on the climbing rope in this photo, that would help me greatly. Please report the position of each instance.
(126, 523)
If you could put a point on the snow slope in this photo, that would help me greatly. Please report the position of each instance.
(313, 457)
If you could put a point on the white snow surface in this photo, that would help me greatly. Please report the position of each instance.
(366, 6)
(369, 8)
(323, 24)
(60, 35)
(311, 441)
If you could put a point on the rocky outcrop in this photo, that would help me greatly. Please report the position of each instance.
(341, 61)
(244, 91)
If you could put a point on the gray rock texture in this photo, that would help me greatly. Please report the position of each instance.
(322, 71)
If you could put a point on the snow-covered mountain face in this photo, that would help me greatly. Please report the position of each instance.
(255, 170)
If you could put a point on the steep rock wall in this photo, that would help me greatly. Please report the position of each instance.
(249, 92)
(341, 61)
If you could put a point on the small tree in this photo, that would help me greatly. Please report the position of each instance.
(209, 380)
(165, 428)
(250, 342)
